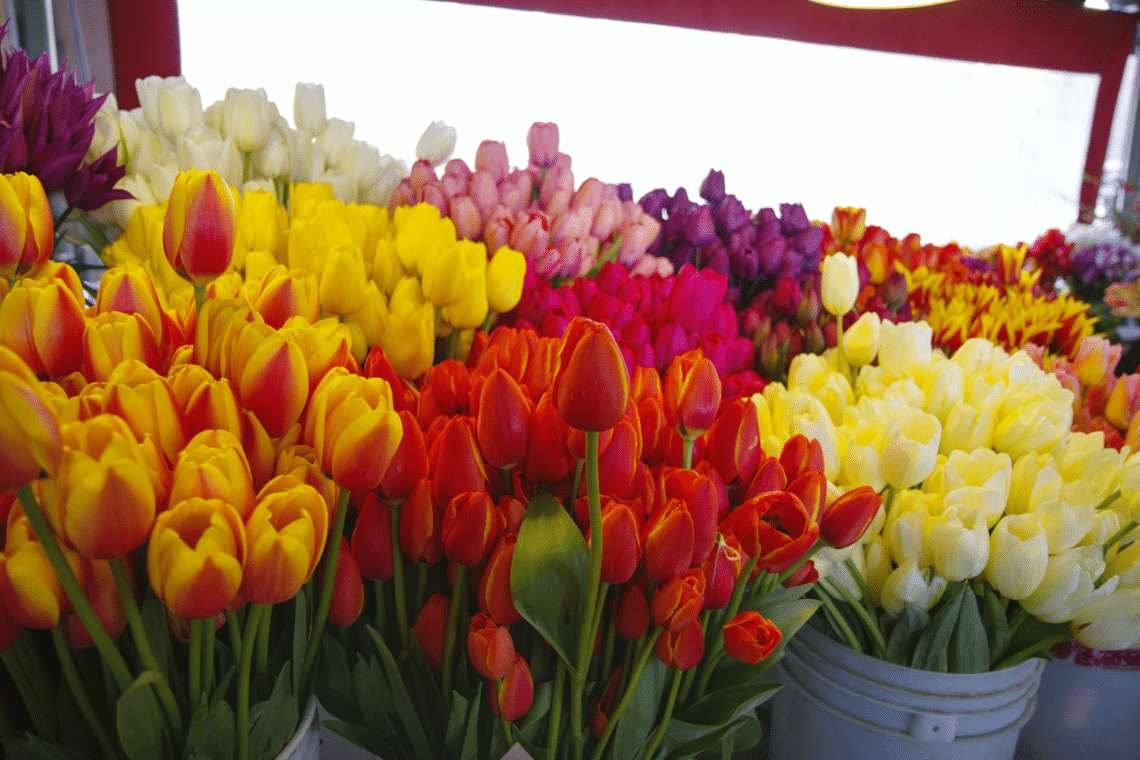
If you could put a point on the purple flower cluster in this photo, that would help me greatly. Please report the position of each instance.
(1105, 263)
(46, 127)
(653, 318)
(563, 231)
(755, 251)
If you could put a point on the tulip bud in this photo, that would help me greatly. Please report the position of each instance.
(309, 108)
(1018, 556)
(848, 517)
(436, 143)
(721, 569)
(861, 340)
(247, 118)
(542, 141)
(732, 443)
(348, 589)
(839, 283)
(26, 226)
(342, 284)
(494, 593)
(503, 421)
(516, 693)
(286, 533)
(692, 394)
(470, 528)
(30, 591)
(430, 629)
(681, 649)
(907, 583)
(29, 431)
(99, 587)
(749, 637)
(1096, 360)
(678, 602)
(591, 389)
(668, 538)
(199, 227)
(490, 645)
(631, 611)
(421, 525)
(505, 274)
(372, 539)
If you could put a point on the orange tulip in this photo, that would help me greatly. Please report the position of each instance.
(196, 556)
(470, 528)
(27, 229)
(678, 602)
(99, 587)
(103, 498)
(495, 584)
(43, 323)
(692, 394)
(286, 534)
(749, 637)
(430, 627)
(455, 461)
(503, 421)
(348, 588)
(29, 431)
(421, 526)
(591, 389)
(515, 694)
(199, 228)
(490, 645)
(351, 426)
(409, 464)
(115, 337)
(681, 649)
(129, 289)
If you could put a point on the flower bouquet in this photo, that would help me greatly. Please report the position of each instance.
(577, 561)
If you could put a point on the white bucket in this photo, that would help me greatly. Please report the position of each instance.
(1084, 712)
(835, 699)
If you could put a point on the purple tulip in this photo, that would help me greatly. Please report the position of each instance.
(712, 188)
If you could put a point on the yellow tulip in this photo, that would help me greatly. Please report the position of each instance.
(286, 533)
(343, 281)
(26, 227)
(505, 274)
(839, 283)
(198, 231)
(29, 431)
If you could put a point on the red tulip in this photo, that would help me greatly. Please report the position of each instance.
(681, 649)
(769, 478)
(409, 464)
(704, 468)
(198, 232)
(749, 637)
(455, 461)
(348, 589)
(692, 394)
(470, 528)
(591, 388)
(804, 574)
(516, 693)
(721, 569)
(667, 539)
(494, 592)
(678, 602)
(503, 421)
(645, 390)
(513, 512)
(621, 542)
(699, 497)
(547, 460)
(421, 526)
(445, 391)
(379, 365)
(430, 629)
(811, 489)
(490, 645)
(847, 518)
(631, 611)
(732, 444)
(617, 462)
(776, 528)
(372, 539)
(801, 454)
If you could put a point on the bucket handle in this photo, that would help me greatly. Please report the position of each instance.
(933, 727)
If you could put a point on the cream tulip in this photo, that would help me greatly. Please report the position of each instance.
(910, 445)
(335, 138)
(907, 583)
(960, 543)
(967, 428)
(1034, 481)
(1069, 582)
(905, 347)
(1065, 524)
(179, 108)
(436, 143)
(247, 118)
(1019, 555)
(861, 340)
(309, 108)
(839, 283)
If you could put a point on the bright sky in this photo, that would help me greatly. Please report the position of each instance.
(976, 153)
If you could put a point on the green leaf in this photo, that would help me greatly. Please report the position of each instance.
(640, 714)
(931, 651)
(470, 750)
(141, 722)
(335, 686)
(549, 573)
(409, 719)
(426, 697)
(155, 625)
(300, 636)
(969, 646)
(372, 693)
(710, 740)
(277, 721)
(723, 706)
(35, 748)
(996, 624)
(211, 734)
(456, 725)
(905, 634)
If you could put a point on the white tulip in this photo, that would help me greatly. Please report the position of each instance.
(436, 144)
(247, 118)
(309, 108)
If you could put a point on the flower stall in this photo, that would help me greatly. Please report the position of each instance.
(485, 460)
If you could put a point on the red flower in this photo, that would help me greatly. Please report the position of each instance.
(456, 463)
(776, 528)
(721, 569)
(682, 649)
(668, 541)
(431, 627)
(470, 528)
(494, 593)
(547, 460)
(678, 602)
(409, 464)
(503, 421)
(801, 454)
(514, 697)
(847, 518)
(631, 610)
(692, 394)
(733, 442)
(591, 388)
(421, 526)
(372, 539)
(700, 498)
(348, 589)
(490, 645)
(621, 544)
(749, 637)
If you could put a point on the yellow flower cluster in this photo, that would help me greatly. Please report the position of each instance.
(1006, 311)
(396, 282)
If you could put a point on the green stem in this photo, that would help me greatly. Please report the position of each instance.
(1109, 500)
(585, 639)
(381, 608)
(687, 457)
(453, 343)
(659, 734)
(838, 619)
(421, 587)
(508, 481)
(262, 652)
(235, 632)
(866, 618)
(332, 554)
(39, 704)
(718, 635)
(142, 645)
(1118, 537)
(1040, 646)
(75, 595)
(398, 576)
(490, 320)
(209, 629)
(556, 711)
(194, 655)
(67, 665)
(889, 501)
(199, 298)
(643, 657)
(449, 638)
(252, 624)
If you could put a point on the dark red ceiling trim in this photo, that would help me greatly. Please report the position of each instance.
(144, 41)
(1034, 33)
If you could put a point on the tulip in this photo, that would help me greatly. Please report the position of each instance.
(99, 587)
(909, 448)
(286, 534)
(196, 556)
(591, 389)
(1018, 556)
(113, 338)
(907, 583)
(839, 283)
(102, 499)
(30, 592)
(621, 544)
(409, 340)
(505, 274)
(43, 323)
(29, 431)
(721, 569)
(280, 294)
(542, 142)
(198, 232)
(961, 545)
(799, 455)
(503, 421)
(348, 589)
(732, 443)
(351, 425)
(421, 525)
(470, 528)
(967, 429)
(681, 649)
(698, 494)
(271, 375)
(1068, 584)
(1096, 360)
(409, 464)
(456, 464)
(692, 394)
(309, 108)
(436, 143)
(26, 226)
(631, 610)
(430, 628)
(848, 517)
(491, 648)
(494, 593)
(861, 340)
(342, 284)
(247, 118)
(617, 458)
(514, 696)
(214, 466)
(749, 637)
(372, 539)
(678, 602)
(775, 528)
(668, 538)
(811, 489)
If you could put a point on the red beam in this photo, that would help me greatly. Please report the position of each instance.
(1032, 33)
(144, 41)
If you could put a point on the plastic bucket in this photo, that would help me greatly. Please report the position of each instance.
(835, 699)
